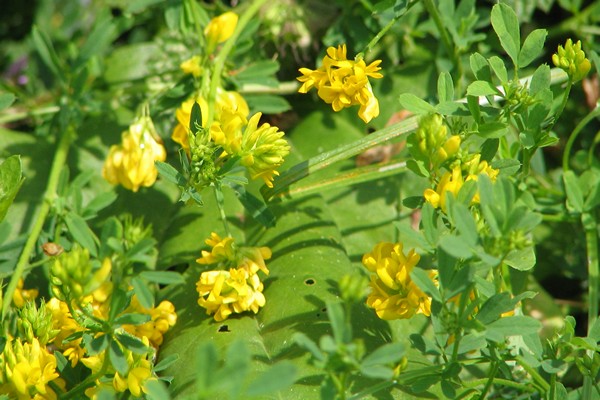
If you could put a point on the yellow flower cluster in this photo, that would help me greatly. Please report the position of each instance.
(131, 163)
(572, 60)
(26, 369)
(238, 289)
(220, 28)
(22, 296)
(134, 381)
(230, 101)
(393, 293)
(454, 180)
(162, 318)
(344, 83)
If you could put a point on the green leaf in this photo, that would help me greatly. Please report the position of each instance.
(517, 325)
(278, 377)
(6, 100)
(261, 73)
(506, 25)
(100, 202)
(44, 47)
(132, 343)
(493, 130)
(540, 80)
(456, 247)
(254, 206)
(163, 277)
(117, 358)
(489, 148)
(129, 63)
(415, 104)
(493, 307)
(532, 47)
(195, 118)
(10, 182)
(445, 87)
(132, 319)
(389, 353)
(165, 362)
(156, 390)
(424, 282)
(480, 67)
(144, 295)
(499, 68)
(482, 88)
(169, 173)
(575, 198)
(98, 40)
(81, 232)
(97, 345)
(465, 223)
(267, 103)
(522, 260)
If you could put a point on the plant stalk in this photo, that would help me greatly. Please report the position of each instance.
(60, 159)
(567, 152)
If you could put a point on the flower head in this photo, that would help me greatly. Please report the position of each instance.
(162, 318)
(572, 60)
(131, 163)
(393, 293)
(344, 83)
(26, 369)
(451, 182)
(223, 293)
(263, 150)
(220, 28)
(192, 66)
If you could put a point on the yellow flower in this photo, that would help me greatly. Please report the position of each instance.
(131, 163)
(192, 66)
(135, 379)
(26, 369)
(222, 250)
(162, 318)
(263, 150)
(64, 322)
(220, 28)
(450, 182)
(223, 293)
(344, 83)
(22, 296)
(230, 101)
(393, 293)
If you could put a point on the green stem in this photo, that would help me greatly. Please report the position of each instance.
(490, 380)
(87, 382)
(567, 153)
(446, 40)
(222, 57)
(221, 207)
(60, 159)
(499, 381)
(377, 37)
(372, 389)
(591, 240)
(539, 380)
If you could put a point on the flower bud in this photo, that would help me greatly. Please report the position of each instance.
(37, 323)
(572, 60)
(70, 273)
(220, 28)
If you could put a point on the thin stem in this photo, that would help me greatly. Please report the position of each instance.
(372, 389)
(567, 153)
(377, 37)
(499, 381)
(591, 241)
(221, 207)
(446, 40)
(50, 195)
(490, 380)
(541, 382)
(222, 57)
(87, 382)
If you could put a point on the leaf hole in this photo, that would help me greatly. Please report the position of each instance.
(224, 328)
(309, 282)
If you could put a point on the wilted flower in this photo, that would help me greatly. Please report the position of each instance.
(131, 163)
(572, 60)
(393, 293)
(344, 83)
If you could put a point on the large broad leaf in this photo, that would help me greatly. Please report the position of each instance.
(311, 243)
